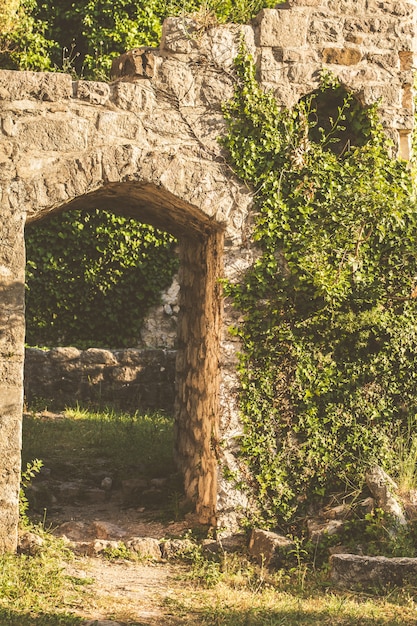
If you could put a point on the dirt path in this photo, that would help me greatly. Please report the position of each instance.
(71, 497)
(128, 592)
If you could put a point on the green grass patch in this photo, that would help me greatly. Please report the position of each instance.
(35, 589)
(130, 443)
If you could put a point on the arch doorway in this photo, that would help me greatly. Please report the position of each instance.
(200, 245)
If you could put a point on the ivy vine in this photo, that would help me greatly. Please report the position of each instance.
(91, 278)
(329, 340)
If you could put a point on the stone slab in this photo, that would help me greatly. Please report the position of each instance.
(351, 570)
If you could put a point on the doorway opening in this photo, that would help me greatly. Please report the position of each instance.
(195, 414)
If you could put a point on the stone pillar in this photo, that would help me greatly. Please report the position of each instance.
(197, 405)
(12, 329)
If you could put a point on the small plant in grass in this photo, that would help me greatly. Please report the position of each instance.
(119, 552)
(32, 469)
(405, 450)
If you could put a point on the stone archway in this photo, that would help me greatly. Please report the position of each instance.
(66, 152)
(200, 243)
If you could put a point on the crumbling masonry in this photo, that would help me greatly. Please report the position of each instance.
(145, 145)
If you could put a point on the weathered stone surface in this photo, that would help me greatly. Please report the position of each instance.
(384, 489)
(180, 36)
(30, 543)
(145, 547)
(341, 56)
(160, 326)
(350, 570)
(138, 63)
(268, 548)
(93, 92)
(176, 548)
(281, 28)
(100, 546)
(131, 378)
(34, 86)
(317, 529)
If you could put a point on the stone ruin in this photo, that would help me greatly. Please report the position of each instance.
(146, 145)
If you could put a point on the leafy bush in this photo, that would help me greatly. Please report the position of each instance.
(91, 278)
(23, 41)
(8, 12)
(329, 359)
(84, 37)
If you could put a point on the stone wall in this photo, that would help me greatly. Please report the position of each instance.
(369, 45)
(159, 329)
(124, 379)
(146, 145)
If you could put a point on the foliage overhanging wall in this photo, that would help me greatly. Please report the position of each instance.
(329, 361)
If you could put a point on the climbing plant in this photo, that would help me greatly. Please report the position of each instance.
(91, 278)
(329, 340)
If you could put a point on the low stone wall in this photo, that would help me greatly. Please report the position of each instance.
(124, 379)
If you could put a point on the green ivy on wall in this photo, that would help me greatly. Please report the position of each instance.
(91, 278)
(329, 340)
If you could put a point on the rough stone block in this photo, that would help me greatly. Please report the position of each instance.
(54, 133)
(406, 60)
(351, 570)
(317, 530)
(98, 356)
(180, 35)
(271, 68)
(39, 86)
(145, 547)
(221, 45)
(137, 96)
(176, 548)
(93, 92)
(322, 30)
(268, 548)
(57, 354)
(138, 63)
(282, 29)
(347, 6)
(341, 56)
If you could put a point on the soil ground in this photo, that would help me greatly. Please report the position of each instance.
(128, 592)
(123, 590)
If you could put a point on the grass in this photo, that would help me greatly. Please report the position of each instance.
(405, 446)
(241, 593)
(276, 608)
(130, 443)
(221, 590)
(35, 589)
